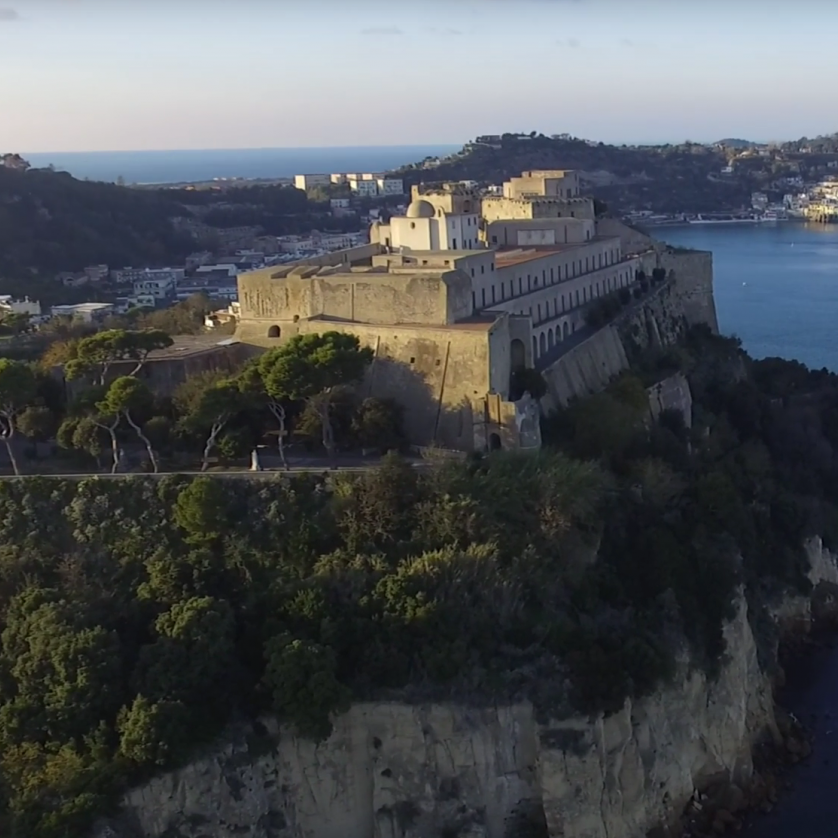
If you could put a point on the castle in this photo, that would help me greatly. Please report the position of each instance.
(461, 293)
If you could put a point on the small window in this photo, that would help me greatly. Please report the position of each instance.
(482, 269)
(412, 225)
(413, 360)
(472, 271)
(453, 244)
(437, 362)
(494, 239)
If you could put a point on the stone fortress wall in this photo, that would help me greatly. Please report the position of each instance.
(686, 300)
(430, 354)
(449, 326)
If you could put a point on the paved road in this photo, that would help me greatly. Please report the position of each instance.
(264, 474)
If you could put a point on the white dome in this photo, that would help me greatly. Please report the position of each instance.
(420, 209)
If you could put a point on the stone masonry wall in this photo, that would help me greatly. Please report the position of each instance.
(588, 367)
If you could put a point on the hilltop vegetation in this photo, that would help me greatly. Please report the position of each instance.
(666, 178)
(139, 616)
(51, 222)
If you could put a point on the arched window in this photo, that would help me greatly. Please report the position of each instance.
(550, 339)
(542, 343)
(274, 332)
(534, 348)
(565, 330)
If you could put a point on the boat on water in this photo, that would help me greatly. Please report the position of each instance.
(723, 219)
(774, 214)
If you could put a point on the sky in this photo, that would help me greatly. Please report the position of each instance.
(90, 75)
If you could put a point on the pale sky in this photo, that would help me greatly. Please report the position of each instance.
(85, 75)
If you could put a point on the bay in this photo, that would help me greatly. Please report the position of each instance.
(776, 285)
(190, 166)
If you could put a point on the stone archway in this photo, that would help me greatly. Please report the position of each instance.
(550, 339)
(517, 354)
(274, 332)
(542, 343)
(517, 361)
(494, 442)
(565, 330)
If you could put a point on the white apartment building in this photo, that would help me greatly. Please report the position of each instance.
(158, 288)
(86, 312)
(390, 186)
(8, 305)
(364, 188)
(134, 275)
(306, 182)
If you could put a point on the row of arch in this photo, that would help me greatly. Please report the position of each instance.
(550, 337)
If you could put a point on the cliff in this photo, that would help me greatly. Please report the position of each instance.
(398, 771)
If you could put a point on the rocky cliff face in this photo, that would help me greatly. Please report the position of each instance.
(397, 771)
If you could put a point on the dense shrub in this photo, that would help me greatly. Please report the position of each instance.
(139, 615)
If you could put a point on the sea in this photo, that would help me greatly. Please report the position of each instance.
(158, 167)
(776, 286)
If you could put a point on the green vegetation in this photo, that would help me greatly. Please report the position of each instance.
(303, 386)
(686, 177)
(139, 616)
(50, 222)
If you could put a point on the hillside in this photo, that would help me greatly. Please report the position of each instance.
(51, 222)
(659, 178)
(146, 615)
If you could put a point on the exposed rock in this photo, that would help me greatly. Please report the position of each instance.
(399, 771)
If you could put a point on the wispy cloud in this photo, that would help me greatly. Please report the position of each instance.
(382, 30)
(8, 15)
(626, 42)
(571, 43)
(436, 30)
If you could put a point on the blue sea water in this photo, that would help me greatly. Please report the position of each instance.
(776, 286)
(192, 166)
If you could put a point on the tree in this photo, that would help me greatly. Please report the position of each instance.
(201, 511)
(102, 350)
(528, 380)
(17, 391)
(58, 353)
(37, 423)
(252, 381)
(150, 733)
(302, 677)
(312, 365)
(87, 437)
(209, 411)
(129, 397)
(191, 659)
(378, 424)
